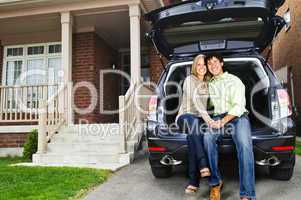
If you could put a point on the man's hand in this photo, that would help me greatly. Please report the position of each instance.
(216, 124)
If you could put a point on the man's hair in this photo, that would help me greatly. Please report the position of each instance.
(212, 55)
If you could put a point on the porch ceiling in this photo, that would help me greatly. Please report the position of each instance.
(113, 27)
(111, 23)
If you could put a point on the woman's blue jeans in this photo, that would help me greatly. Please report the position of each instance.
(241, 134)
(197, 158)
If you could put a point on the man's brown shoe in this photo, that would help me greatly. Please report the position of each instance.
(215, 192)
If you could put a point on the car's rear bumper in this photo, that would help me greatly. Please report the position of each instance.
(176, 146)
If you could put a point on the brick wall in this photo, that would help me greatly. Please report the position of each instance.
(286, 49)
(156, 67)
(90, 55)
(12, 140)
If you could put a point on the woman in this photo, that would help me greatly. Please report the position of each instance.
(191, 116)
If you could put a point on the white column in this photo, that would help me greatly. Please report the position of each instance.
(135, 13)
(66, 21)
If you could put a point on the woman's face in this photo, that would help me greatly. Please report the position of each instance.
(201, 68)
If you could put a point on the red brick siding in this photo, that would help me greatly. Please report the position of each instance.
(12, 140)
(156, 67)
(90, 55)
(105, 58)
(286, 49)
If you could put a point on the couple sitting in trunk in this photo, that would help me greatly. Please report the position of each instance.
(227, 96)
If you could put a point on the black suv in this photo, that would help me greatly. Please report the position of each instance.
(240, 30)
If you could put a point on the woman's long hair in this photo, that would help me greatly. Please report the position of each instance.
(194, 72)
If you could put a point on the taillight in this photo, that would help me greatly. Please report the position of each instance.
(152, 108)
(158, 149)
(281, 105)
(283, 148)
(281, 110)
(284, 103)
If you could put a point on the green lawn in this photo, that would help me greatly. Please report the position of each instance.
(51, 183)
(298, 148)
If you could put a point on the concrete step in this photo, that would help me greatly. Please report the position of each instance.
(92, 129)
(80, 158)
(83, 146)
(63, 138)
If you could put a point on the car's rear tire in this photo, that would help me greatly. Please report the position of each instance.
(284, 171)
(161, 171)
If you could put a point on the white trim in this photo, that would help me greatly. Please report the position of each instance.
(4, 152)
(82, 5)
(101, 12)
(45, 56)
(17, 129)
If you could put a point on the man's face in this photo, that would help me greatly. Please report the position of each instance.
(215, 66)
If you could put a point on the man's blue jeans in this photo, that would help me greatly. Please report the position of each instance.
(241, 134)
(197, 158)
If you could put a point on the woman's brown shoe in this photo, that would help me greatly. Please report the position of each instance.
(215, 192)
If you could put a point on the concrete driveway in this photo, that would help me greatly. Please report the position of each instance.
(136, 182)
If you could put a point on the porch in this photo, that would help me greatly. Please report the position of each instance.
(67, 46)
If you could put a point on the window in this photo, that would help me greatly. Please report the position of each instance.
(36, 64)
(57, 48)
(40, 63)
(38, 50)
(14, 52)
(287, 18)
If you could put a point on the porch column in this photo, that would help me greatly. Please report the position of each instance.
(66, 22)
(135, 13)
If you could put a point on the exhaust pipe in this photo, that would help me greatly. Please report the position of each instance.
(272, 161)
(168, 160)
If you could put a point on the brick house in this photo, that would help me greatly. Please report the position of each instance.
(70, 42)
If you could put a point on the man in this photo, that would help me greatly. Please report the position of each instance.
(227, 94)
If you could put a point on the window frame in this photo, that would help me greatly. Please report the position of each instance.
(25, 58)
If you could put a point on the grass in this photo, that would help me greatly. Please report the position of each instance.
(298, 148)
(51, 183)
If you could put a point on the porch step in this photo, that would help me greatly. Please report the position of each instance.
(105, 161)
(85, 145)
(75, 137)
(101, 130)
(92, 158)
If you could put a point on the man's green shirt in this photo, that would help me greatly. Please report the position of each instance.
(227, 95)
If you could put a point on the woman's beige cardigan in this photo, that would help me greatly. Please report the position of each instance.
(194, 98)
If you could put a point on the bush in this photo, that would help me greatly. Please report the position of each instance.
(31, 144)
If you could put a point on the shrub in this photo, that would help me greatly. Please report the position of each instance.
(31, 144)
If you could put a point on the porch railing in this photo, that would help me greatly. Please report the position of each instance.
(21, 103)
(52, 115)
(132, 112)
